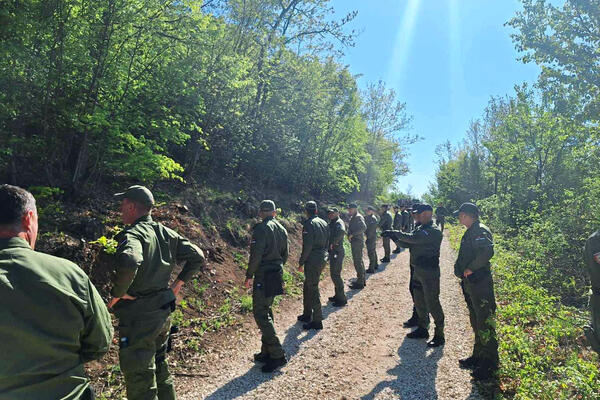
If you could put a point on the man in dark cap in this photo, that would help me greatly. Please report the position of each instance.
(356, 236)
(592, 260)
(371, 242)
(147, 253)
(473, 267)
(268, 253)
(52, 319)
(385, 224)
(315, 245)
(337, 231)
(405, 219)
(424, 244)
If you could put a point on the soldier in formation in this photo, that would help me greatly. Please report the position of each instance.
(397, 226)
(315, 246)
(268, 254)
(473, 268)
(356, 236)
(337, 232)
(424, 244)
(143, 300)
(385, 224)
(371, 242)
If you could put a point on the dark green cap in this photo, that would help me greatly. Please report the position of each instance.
(139, 194)
(468, 208)
(421, 208)
(371, 208)
(311, 206)
(333, 210)
(267, 206)
(352, 205)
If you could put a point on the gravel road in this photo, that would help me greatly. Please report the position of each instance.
(361, 353)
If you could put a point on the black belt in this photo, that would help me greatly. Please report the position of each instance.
(596, 290)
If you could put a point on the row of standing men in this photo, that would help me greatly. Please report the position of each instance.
(323, 241)
(52, 319)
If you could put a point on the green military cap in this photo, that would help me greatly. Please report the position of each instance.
(421, 208)
(139, 194)
(371, 208)
(311, 206)
(333, 210)
(468, 208)
(267, 206)
(352, 205)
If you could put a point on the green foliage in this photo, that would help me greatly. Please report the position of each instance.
(150, 91)
(246, 303)
(109, 245)
(48, 201)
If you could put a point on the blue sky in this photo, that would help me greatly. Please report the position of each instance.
(444, 58)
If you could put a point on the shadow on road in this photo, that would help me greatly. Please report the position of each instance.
(415, 375)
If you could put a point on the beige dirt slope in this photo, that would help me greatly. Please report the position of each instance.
(361, 353)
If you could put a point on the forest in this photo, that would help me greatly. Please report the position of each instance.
(191, 91)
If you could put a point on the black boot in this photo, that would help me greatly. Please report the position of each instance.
(484, 370)
(412, 322)
(397, 251)
(338, 303)
(273, 364)
(261, 357)
(358, 286)
(437, 341)
(370, 270)
(419, 333)
(469, 362)
(313, 325)
(332, 298)
(304, 318)
(385, 260)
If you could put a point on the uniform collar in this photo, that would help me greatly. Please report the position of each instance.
(145, 218)
(267, 219)
(427, 225)
(14, 242)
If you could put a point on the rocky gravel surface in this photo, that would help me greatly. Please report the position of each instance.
(361, 353)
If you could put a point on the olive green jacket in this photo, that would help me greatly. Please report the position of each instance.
(386, 221)
(315, 240)
(476, 250)
(337, 231)
(269, 248)
(424, 243)
(397, 221)
(372, 224)
(592, 246)
(52, 321)
(146, 255)
(357, 228)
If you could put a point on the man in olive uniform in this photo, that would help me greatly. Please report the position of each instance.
(397, 226)
(385, 224)
(356, 237)
(337, 231)
(424, 246)
(592, 259)
(411, 220)
(405, 220)
(413, 321)
(371, 241)
(315, 245)
(441, 213)
(142, 300)
(52, 319)
(473, 267)
(268, 253)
